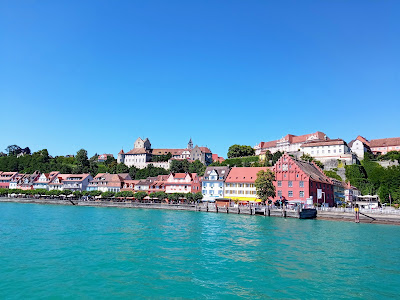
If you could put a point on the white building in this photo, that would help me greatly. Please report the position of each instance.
(182, 183)
(213, 183)
(44, 179)
(328, 150)
(289, 143)
(360, 146)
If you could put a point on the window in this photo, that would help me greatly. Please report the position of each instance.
(279, 183)
(301, 183)
(301, 194)
(290, 183)
(290, 194)
(279, 193)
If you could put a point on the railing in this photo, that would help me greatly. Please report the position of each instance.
(387, 211)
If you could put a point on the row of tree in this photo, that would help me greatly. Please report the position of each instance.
(161, 196)
(43, 162)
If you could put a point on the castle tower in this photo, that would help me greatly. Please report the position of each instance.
(190, 144)
(121, 156)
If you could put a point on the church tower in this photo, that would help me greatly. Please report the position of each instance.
(190, 144)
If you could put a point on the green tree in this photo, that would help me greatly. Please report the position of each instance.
(173, 197)
(132, 172)
(161, 196)
(122, 168)
(240, 151)
(77, 194)
(67, 192)
(276, 156)
(107, 194)
(333, 174)
(264, 184)
(13, 150)
(197, 167)
(197, 196)
(82, 162)
(179, 166)
(95, 193)
(140, 195)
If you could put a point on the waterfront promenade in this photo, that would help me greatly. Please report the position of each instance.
(379, 216)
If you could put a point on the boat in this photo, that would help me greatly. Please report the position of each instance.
(307, 213)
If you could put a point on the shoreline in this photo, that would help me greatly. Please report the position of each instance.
(386, 219)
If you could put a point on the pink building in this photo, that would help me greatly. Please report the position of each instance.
(384, 146)
(182, 183)
(5, 178)
(299, 180)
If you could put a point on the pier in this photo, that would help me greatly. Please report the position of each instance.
(337, 214)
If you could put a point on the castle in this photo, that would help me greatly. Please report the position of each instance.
(142, 154)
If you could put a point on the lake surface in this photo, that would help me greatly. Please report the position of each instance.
(67, 252)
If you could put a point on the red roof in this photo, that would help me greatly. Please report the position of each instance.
(137, 151)
(180, 175)
(324, 143)
(205, 150)
(385, 142)
(215, 157)
(293, 139)
(244, 174)
(363, 140)
(166, 151)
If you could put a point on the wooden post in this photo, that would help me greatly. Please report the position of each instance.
(357, 214)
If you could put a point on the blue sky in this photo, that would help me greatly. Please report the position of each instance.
(98, 74)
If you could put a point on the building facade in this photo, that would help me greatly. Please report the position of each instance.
(289, 143)
(213, 183)
(298, 180)
(359, 146)
(326, 150)
(76, 182)
(383, 146)
(182, 183)
(239, 184)
(44, 179)
(105, 182)
(142, 155)
(6, 178)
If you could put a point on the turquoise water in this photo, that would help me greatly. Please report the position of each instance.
(66, 252)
